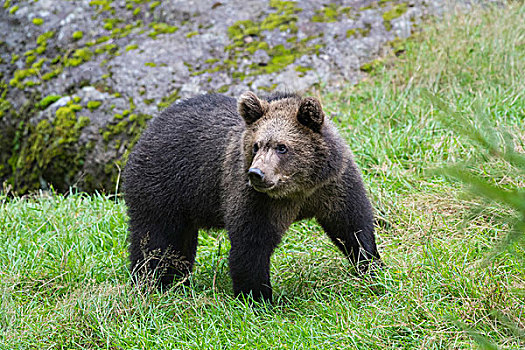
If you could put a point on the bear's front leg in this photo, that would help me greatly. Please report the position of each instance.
(347, 218)
(255, 225)
(355, 238)
(250, 267)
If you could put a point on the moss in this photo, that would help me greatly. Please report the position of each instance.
(150, 64)
(102, 5)
(283, 19)
(284, 6)
(118, 144)
(92, 105)
(99, 50)
(83, 121)
(108, 48)
(302, 70)
(188, 65)
(223, 89)
(114, 129)
(268, 88)
(30, 59)
(38, 21)
(280, 58)
(330, 13)
(371, 67)
(50, 154)
(110, 23)
(40, 50)
(50, 75)
(190, 34)
(366, 30)
(102, 39)
(13, 9)
(398, 46)
(79, 56)
(20, 75)
(373, 5)
(5, 105)
(84, 54)
(122, 30)
(395, 12)
(283, 22)
(136, 126)
(14, 58)
(239, 75)
(168, 100)
(42, 39)
(161, 28)
(123, 132)
(351, 32)
(136, 11)
(154, 4)
(38, 65)
(78, 35)
(132, 47)
(242, 28)
(46, 101)
(56, 59)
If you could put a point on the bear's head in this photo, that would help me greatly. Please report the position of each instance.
(288, 147)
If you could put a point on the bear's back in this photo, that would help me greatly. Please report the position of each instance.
(178, 162)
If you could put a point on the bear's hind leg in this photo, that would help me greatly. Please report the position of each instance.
(162, 253)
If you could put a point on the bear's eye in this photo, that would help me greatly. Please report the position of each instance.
(281, 149)
(255, 148)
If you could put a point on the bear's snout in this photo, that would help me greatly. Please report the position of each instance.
(258, 179)
(256, 175)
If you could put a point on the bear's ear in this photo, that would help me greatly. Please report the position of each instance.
(251, 108)
(311, 113)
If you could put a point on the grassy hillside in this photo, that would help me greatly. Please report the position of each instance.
(64, 281)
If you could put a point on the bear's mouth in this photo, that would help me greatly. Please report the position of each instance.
(262, 188)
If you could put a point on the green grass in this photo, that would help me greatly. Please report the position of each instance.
(64, 281)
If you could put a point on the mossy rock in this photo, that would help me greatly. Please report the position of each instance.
(274, 41)
(395, 12)
(50, 153)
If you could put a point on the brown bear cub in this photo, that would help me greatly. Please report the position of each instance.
(251, 166)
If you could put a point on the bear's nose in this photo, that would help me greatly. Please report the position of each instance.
(256, 175)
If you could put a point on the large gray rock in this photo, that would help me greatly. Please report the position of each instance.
(79, 79)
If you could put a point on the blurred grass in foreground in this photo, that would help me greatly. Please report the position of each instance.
(499, 146)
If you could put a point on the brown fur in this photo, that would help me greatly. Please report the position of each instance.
(253, 167)
(279, 125)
